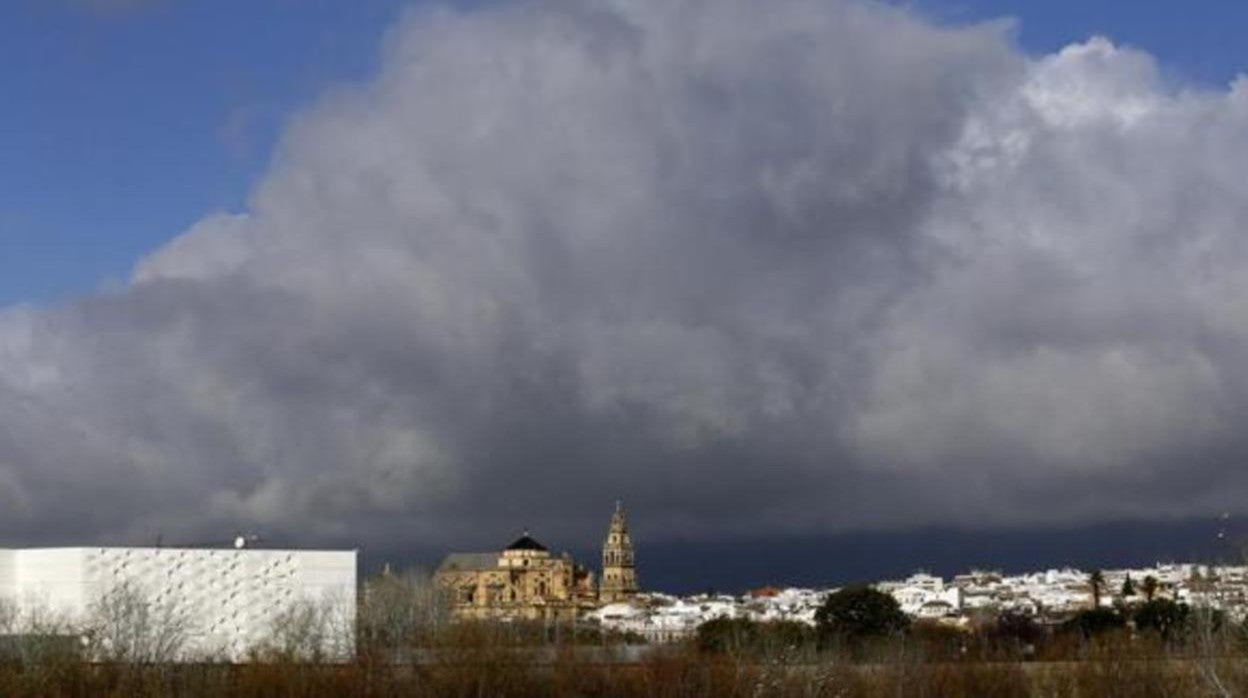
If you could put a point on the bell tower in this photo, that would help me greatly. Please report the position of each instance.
(619, 574)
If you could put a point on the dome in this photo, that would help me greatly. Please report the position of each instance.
(526, 542)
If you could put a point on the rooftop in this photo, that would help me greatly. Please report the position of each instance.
(526, 542)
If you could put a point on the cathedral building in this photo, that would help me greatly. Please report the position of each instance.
(522, 582)
(526, 582)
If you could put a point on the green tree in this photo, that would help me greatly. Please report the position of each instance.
(1128, 587)
(1149, 587)
(1165, 617)
(860, 613)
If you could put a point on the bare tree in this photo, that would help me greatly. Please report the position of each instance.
(298, 632)
(1210, 641)
(401, 611)
(310, 630)
(1210, 627)
(34, 633)
(125, 625)
(10, 615)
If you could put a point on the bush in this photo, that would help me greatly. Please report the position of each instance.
(1019, 628)
(741, 636)
(1094, 621)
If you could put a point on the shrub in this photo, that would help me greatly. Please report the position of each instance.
(741, 636)
(1094, 621)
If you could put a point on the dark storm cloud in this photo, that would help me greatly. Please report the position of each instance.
(791, 267)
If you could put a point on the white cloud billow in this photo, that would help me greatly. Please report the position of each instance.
(818, 261)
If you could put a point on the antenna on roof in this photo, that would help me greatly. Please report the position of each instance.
(243, 540)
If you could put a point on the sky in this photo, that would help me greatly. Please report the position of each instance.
(125, 121)
(406, 276)
(146, 115)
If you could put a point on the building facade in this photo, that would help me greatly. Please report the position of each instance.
(218, 604)
(522, 582)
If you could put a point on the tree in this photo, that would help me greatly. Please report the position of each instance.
(1149, 587)
(1128, 587)
(1097, 582)
(298, 632)
(401, 611)
(309, 630)
(30, 633)
(1165, 617)
(860, 613)
(127, 626)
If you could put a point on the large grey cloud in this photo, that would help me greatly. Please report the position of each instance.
(757, 267)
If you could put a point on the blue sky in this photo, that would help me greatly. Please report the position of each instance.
(1199, 40)
(124, 121)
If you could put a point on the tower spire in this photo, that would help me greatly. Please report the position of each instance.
(619, 572)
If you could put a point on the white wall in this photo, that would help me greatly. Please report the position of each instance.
(8, 578)
(229, 599)
(50, 580)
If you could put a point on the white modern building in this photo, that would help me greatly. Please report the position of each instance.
(203, 603)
